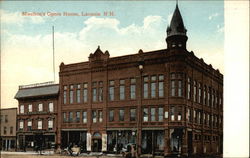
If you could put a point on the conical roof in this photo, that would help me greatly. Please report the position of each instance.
(176, 26)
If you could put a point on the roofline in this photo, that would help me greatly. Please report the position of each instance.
(38, 85)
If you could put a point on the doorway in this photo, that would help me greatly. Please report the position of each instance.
(97, 145)
(190, 142)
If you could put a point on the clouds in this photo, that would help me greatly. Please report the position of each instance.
(211, 17)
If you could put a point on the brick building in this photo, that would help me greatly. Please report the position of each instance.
(37, 116)
(165, 101)
(8, 129)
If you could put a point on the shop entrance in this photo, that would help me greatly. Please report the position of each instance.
(176, 140)
(96, 142)
(97, 145)
(190, 144)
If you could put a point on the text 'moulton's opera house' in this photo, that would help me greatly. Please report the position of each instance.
(166, 101)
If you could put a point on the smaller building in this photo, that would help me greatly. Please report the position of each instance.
(8, 129)
(37, 116)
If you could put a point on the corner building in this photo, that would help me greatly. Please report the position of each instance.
(164, 101)
(37, 116)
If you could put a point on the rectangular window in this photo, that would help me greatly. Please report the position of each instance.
(188, 115)
(84, 116)
(212, 99)
(195, 118)
(94, 94)
(122, 92)
(64, 94)
(172, 113)
(51, 107)
(132, 114)
(111, 115)
(208, 96)
(111, 90)
(70, 116)
(189, 89)
(40, 107)
(179, 88)
(64, 117)
(172, 88)
(208, 119)
(161, 85)
(199, 93)
(94, 115)
(195, 91)
(153, 90)
(50, 124)
(71, 94)
(30, 125)
(40, 124)
(100, 116)
(180, 114)
(78, 95)
(199, 117)
(5, 130)
(122, 89)
(121, 115)
(30, 107)
(145, 115)
(145, 87)
(152, 113)
(204, 96)
(160, 114)
(11, 130)
(100, 94)
(77, 116)
(132, 92)
(21, 125)
(21, 109)
(85, 92)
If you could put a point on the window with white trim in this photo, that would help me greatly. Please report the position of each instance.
(51, 107)
(40, 124)
(21, 109)
(50, 124)
(30, 107)
(40, 107)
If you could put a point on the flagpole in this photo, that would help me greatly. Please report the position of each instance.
(53, 53)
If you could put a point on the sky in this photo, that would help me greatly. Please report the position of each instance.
(26, 41)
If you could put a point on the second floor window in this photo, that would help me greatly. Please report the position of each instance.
(160, 114)
(172, 88)
(77, 116)
(121, 115)
(111, 115)
(100, 94)
(195, 89)
(30, 125)
(94, 116)
(70, 116)
(40, 124)
(40, 107)
(11, 130)
(64, 117)
(84, 116)
(50, 124)
(152, 113)
(172, 113)
(111, 90)
(21, 125)
(145, 114)
(132, 114)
